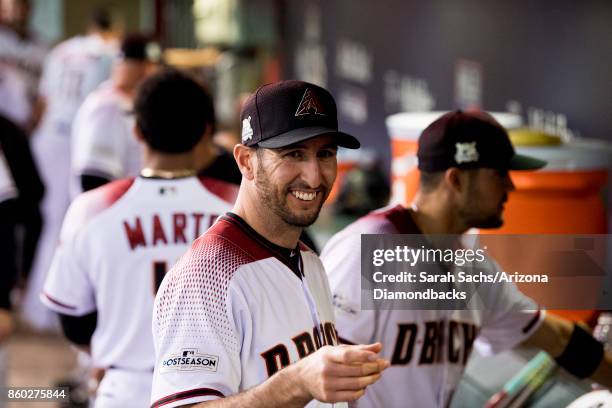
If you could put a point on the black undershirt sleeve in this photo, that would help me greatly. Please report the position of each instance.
(8, 274)
(89, 182)
(79, 329)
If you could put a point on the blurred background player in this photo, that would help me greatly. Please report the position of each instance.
(118, 240)
(21, 61)
(15, 103)
(103, 144)
(72, 70)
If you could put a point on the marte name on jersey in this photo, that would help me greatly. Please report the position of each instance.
(305, 343)
(179, 228)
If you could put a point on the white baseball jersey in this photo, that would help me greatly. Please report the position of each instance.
(428, 349)
(15, 103)
(233, 311)
(24, 55)
(72, 70)
(103, 143)
(8, 189)
(117, 243)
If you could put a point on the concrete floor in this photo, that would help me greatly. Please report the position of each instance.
(37, 360)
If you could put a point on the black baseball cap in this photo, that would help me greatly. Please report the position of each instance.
(470, 140)
(140, 47)
(280, 114)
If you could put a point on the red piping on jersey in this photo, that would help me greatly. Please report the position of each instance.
(198, 392)
(225, 191)
(230, 230)
(93, 202)
(115, 189)
(57, 302)
(533, 321)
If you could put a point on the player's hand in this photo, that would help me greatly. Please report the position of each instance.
(6, 324)
(341, 373)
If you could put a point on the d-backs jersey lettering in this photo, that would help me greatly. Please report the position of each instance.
(233, 311)
(428, 349)
(117, 242)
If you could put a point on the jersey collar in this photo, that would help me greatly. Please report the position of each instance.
(292, 258)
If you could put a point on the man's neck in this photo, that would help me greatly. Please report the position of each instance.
(266, 223)
(126, 90)
(434, 216)
(206, 153)
(168, 162)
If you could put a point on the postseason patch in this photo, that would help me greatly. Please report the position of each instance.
(190, 360)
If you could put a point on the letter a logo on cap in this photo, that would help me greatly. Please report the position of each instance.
(309, 104)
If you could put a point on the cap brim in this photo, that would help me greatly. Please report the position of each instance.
(299, 135)
(522, 162)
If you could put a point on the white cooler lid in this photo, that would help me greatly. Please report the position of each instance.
(578, 154)
(409, 125)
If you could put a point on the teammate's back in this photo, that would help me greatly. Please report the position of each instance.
(118, 240)
(117, 243)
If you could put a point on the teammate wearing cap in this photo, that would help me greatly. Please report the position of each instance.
(103, 145)
(245, 318)
(118, 240)
(464, 160)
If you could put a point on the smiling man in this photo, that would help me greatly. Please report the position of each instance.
(245, 318)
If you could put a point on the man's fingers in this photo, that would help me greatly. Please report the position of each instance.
(354, 383)
(359, 369)
(355, 354)
(374, 347)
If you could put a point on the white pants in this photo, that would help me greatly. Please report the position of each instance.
(121, 389)
(52, 154)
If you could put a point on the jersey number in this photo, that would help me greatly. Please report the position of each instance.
(159, 271)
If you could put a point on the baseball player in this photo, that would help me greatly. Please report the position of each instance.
(72, 70)
(103, 145)
(23, 53)
(464, 160)
(245, 318)
(14, 99)
(118, 240)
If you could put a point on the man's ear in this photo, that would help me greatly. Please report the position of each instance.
(138, 134)
(245, 158)
(455, 179)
